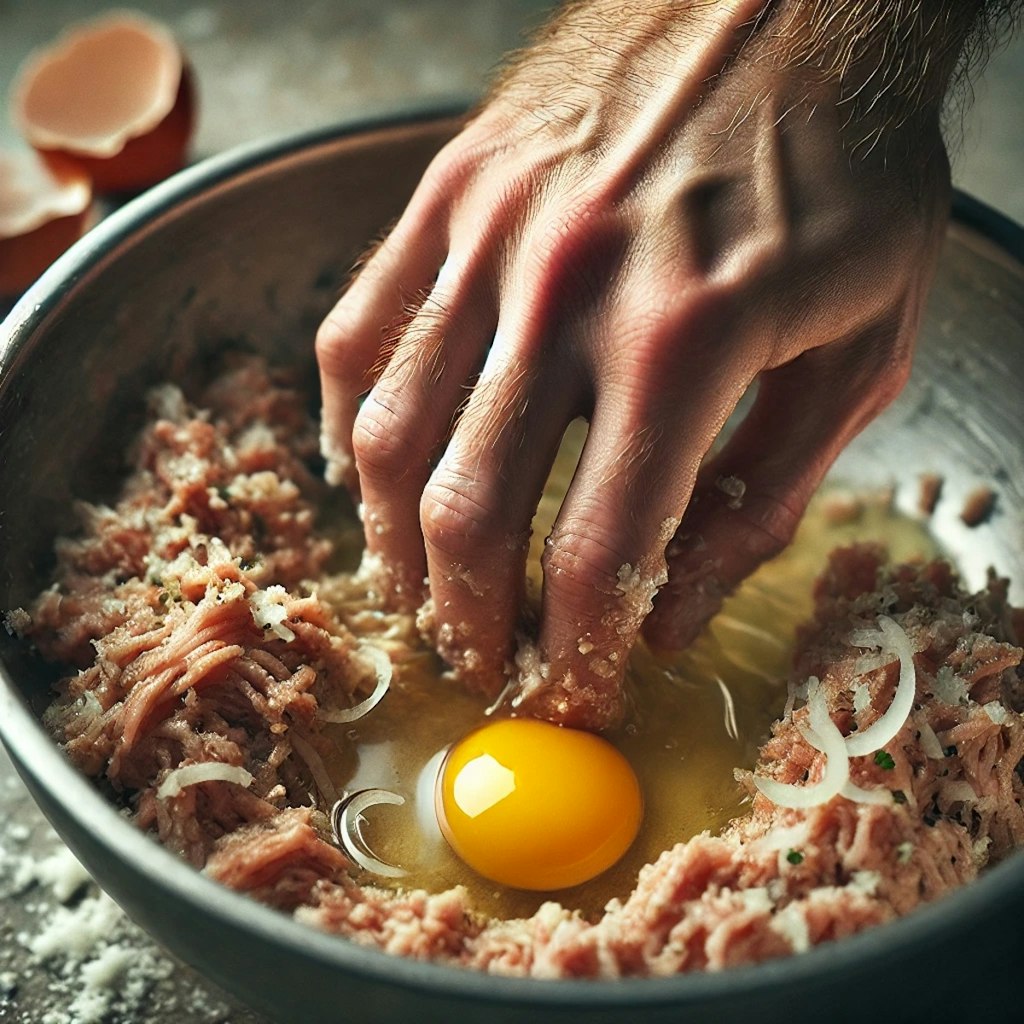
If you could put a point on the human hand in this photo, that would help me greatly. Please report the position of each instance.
(644, 220)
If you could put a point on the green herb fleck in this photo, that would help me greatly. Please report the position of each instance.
(884, 760)
(795, 857)
(899, 796)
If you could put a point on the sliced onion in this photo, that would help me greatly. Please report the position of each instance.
(346, 820)
(315, 763)
(823, 735)
(880, 732)
(382, 667)
(731, 728)
(794, 692)
(851, 791)
(826, 738)
(208, 771)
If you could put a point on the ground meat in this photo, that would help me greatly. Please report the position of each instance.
(185, 611)
(778, 880)
(194, 635)
(279, 861)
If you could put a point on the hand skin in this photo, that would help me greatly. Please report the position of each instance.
(651, 213)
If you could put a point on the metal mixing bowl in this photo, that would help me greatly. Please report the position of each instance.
(254, 246)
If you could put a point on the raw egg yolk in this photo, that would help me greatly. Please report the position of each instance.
(534, 806)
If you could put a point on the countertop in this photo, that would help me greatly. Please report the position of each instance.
(67, 955)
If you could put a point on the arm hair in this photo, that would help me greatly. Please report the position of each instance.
(894, 61)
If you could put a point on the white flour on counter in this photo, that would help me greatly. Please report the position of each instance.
(73, 957)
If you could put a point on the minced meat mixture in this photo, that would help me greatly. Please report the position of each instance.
(194, 633)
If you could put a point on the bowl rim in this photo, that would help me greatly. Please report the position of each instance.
(36, 755)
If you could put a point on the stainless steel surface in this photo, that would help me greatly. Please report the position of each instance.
(959, 416)
(264, 68)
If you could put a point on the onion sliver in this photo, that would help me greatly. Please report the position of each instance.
(346, 816)
(208, 771)
(823, 735)
(382, 667)
(851, 791)
(880, 732)
(315, 764)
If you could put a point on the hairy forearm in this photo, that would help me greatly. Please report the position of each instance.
(885, 63)
(894, 61)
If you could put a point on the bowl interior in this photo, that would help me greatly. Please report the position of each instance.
(250, 251)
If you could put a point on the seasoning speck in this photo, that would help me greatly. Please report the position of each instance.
(929, 494)
(978, 506)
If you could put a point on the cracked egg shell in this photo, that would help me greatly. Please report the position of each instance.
(44, 208)
(114, 94)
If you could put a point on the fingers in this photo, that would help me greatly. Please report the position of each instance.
(477, 509)
(604, 561)
(407, 416)
(750, 498)
(349, 340)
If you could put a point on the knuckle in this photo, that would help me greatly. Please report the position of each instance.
(459, 514)
(383, 445)
(451, 169)
(581, 556)
(573, 232)
(675, 325)
(769, 523)
(335, 339)
(689, 306)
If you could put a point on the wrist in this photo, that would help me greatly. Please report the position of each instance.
(612, 50)
(890, 62)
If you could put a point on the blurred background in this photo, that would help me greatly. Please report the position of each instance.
(264, 68)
